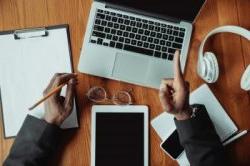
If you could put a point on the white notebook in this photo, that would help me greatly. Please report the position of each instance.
(28, 60)
(164, 123)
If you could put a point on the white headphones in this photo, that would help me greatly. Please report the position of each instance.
(208, 68)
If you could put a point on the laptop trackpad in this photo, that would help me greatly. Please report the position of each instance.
(130, 67)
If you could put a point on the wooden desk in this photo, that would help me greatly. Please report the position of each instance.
(233, 54)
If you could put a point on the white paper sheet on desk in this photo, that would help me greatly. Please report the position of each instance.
(26, 67)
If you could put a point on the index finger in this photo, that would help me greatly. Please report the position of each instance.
(50, 85)
(63, 78)
(177, 65)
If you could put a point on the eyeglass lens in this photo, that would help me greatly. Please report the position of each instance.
(97, 94)
(121, 98)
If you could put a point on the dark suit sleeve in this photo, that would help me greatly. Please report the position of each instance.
(34, 144)
(200, 140)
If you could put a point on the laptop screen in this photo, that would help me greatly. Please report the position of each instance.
(180, 9)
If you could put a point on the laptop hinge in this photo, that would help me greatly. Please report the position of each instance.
(141, 12)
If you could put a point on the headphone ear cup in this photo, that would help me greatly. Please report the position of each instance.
(201, 68)
(215, 66)
(212, 66)
(245, 80)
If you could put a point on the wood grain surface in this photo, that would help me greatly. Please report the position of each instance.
(233, 53)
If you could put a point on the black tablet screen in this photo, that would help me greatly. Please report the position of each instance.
(119, 139)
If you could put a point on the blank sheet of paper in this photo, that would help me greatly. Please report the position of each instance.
(26, 67)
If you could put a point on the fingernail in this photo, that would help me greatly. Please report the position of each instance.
(163, 81)
(72, 81)
(162, 86)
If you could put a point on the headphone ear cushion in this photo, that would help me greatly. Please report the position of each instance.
(212, 67)
(201, 68)
(245, 80)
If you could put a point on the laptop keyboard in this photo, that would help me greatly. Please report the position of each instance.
(137, 35)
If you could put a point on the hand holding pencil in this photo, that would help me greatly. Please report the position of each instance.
(58, 108)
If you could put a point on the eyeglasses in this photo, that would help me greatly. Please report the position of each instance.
(99, 95)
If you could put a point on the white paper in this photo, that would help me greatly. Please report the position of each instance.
(26, 67)
(164, 125)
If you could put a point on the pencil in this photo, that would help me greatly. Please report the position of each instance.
(239, 135)
(48, 95)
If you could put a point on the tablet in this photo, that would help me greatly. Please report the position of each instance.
(119, 136)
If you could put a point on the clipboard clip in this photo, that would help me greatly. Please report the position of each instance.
(30, 33)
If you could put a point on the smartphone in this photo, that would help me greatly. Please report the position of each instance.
(171, 146)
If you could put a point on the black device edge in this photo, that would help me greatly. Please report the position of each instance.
(178, 142)
(140, 12)
(156, 16)
(71, 64)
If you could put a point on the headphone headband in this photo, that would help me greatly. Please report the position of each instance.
(224, 29)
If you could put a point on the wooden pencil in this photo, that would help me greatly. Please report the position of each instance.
(48, 95)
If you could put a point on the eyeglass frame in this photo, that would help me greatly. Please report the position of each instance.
(106, 98)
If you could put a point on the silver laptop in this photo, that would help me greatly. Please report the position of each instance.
(135, 41)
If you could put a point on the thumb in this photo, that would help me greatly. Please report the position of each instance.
(69, 99)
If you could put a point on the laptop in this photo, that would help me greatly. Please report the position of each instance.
(135, 41)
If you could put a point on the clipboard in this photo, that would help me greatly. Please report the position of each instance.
(28, 60)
